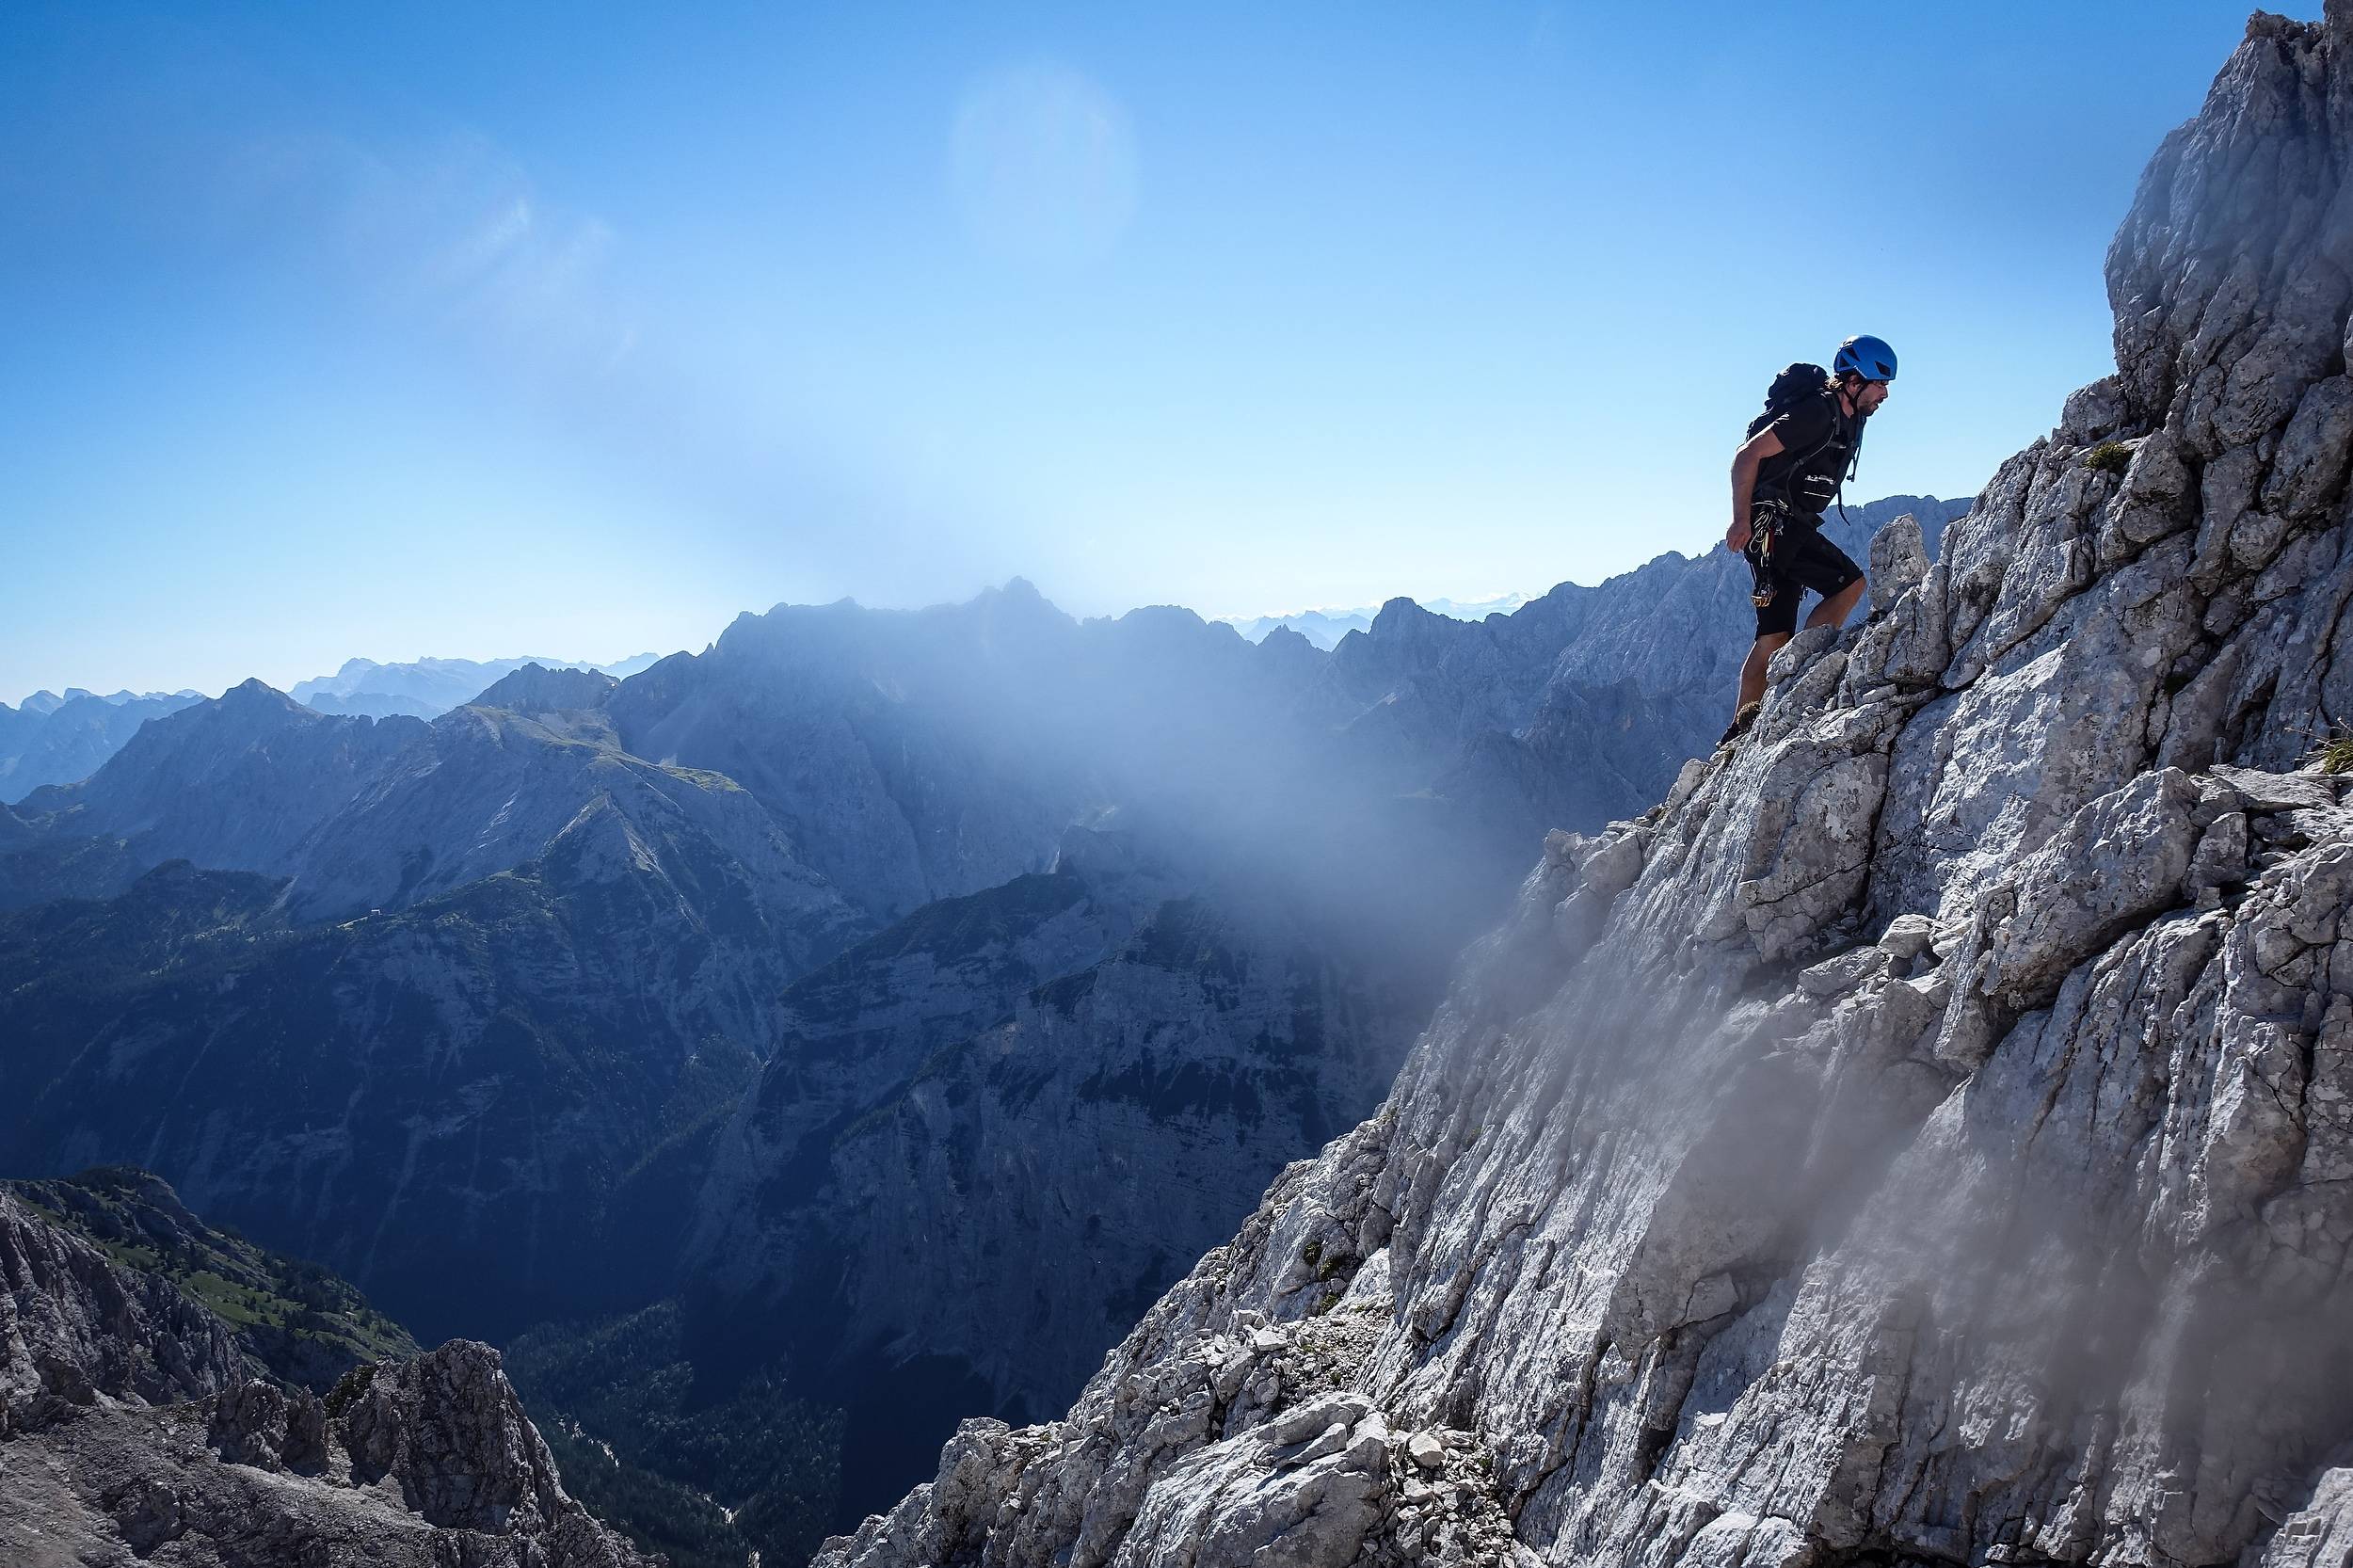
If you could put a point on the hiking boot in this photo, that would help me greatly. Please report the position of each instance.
(1740, 721)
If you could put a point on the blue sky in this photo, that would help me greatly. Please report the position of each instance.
(476, 330)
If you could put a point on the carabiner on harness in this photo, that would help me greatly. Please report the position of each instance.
(1766, 520)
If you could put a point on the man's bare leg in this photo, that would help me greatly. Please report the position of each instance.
(1833, 611)
(1753, 672)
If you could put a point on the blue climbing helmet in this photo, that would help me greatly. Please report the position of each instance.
(1867, 357)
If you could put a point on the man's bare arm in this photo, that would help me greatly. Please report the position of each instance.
(1758, 447)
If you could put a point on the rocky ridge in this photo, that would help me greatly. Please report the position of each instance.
(132, 1430)
(1924, 1136)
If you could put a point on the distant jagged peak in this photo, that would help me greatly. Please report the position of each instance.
(1015, 619)
(1286, 648)
(1400, 610)
(253, 707)
(256, 698)
(1104, 851)
(1171, 627)
(535, 689)
(251, 702)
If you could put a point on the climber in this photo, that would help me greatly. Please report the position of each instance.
(1798, 457)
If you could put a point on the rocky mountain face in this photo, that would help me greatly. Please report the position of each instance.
(234, 784)
(1919, 1138)
(441, 1101)
(294, 1322)
(132, 1428)
(471, 995)
(991, 1134)
(63, 739)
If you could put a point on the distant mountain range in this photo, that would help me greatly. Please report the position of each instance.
(49, 739)
(427, 688)
(56, 740)
(1325, 627)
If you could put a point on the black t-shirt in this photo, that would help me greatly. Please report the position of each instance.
(1818, 441)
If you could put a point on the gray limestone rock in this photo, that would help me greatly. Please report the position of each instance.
(1899, 562)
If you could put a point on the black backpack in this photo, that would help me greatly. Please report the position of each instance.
(1792, 387)
(1789, 389)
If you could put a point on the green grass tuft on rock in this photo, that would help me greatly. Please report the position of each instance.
(2110, 458)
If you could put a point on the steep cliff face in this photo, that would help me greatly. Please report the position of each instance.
(993, 1133)
(1924, 1136)
(132, 1430)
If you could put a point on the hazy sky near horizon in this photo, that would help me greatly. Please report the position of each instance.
(475, 331)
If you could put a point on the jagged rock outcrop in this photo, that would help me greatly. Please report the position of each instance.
(1923, 1136)
(132, 1430)
(72, 1326)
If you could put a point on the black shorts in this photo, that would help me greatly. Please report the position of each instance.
(1801, 559)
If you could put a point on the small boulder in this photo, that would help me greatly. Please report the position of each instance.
(1836, 976)
(1908, 937)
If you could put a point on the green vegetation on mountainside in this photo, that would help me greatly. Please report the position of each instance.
(301, 1323)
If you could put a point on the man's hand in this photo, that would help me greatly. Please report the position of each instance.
(1754, 450)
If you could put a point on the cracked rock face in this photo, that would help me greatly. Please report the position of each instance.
(1925, 1135)
(131, 1429)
